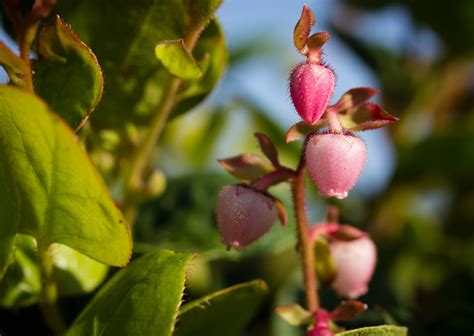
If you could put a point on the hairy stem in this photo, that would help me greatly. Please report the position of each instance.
(49, 293)
(140, 159)
(333, 120)
(305, 245)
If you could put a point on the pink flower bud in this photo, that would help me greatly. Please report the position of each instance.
(355, 263)
(335, 162)
(311, 88)
(244, 215)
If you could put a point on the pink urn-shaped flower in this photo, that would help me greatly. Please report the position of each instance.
(335, 162)
(355, 263)
(244, 215)
(311, 88)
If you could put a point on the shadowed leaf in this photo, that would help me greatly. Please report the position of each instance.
(225, 312)
(67, 74)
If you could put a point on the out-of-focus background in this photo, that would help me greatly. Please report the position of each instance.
(415, 197)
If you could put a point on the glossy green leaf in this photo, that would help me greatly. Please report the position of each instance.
(14, 66)
(75, 273)
(177, 59)
(134, 76)
(54, 192)
(225, 312)
(67, 74)
(383, 330)
(141, 299)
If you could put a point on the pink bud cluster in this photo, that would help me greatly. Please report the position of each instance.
(334, 159)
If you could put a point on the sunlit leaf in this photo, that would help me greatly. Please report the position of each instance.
(177, 59)
(141, 299)
(55, 194)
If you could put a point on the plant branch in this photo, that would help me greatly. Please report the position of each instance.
(282, 174)
(140, 159)
(305, 244)
(49, 293)
(25, 39)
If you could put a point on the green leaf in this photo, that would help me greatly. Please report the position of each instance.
(225, 312)
(67, 74)
(294, 314)
(54, 192)
(135, 77)
(75, 273)
(14, 66)
(141, 299)
(177, 59)
(383, 330)
(324, 263)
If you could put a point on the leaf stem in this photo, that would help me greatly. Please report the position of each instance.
(305, 245)
(49, 293)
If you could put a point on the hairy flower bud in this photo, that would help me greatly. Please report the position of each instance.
(244, 215)
(311, 88)
(355, 263)
(335, 162)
